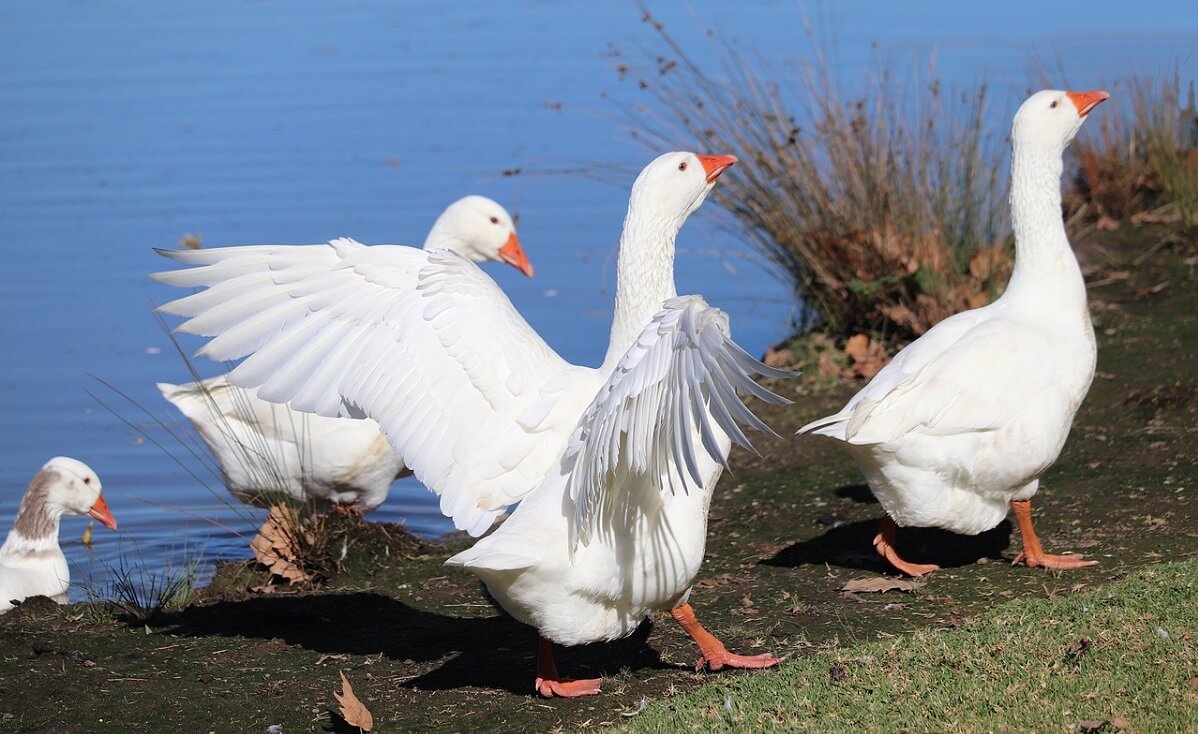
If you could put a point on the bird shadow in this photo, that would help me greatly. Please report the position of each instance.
(494, 652)
(858, 493)
(850, 545)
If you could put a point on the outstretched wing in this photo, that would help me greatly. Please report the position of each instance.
(680, 381)
(422, 342)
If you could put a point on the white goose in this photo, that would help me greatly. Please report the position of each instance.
(615, 466)
(957, 430)
(266, 448)
(31, 563)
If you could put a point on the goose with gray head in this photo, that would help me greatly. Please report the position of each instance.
(955, 432)
(613, 467)
(265, 449)
(31, 563)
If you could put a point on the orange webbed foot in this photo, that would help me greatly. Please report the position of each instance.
(550, 684)
(712, 653)
(568, 687)
(884, 544)
(1047, 560)
(725, 659)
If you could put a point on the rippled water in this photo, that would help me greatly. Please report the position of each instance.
(126, 125)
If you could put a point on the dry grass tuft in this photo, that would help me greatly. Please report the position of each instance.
(885, 212)
(1141, 165)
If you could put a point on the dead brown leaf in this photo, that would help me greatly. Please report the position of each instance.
(275, 545)
(866, 356)
(879, 584)
(1077, 650)
(353, 711)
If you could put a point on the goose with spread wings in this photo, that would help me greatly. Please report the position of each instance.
(613, 468)
(266, 449)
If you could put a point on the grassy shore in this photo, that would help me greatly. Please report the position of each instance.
(425, 651)
(1121, 657)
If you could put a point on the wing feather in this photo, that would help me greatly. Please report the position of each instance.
(421, 341)
(671, 395)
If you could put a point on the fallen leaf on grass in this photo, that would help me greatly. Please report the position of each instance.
(1077, 650)
(352, 710)
(275, 544)
(879, 584)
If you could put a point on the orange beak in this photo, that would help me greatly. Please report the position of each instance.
(1086, 101)
(512, 254)
(715, 165)
(101, 512)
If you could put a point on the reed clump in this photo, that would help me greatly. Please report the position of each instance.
(884, 211)
(1140, 165)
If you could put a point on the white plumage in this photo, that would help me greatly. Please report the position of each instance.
(265, 448)
(31, 563)
(966, 418)
(486, 414)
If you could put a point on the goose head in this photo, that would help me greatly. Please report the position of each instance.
(674, 185)
(70, 487)
(1050, 119)
(479, 229)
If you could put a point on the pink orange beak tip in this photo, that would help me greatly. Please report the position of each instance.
(1086, 101)
(714, 165)
(513, 254)
(100, 512)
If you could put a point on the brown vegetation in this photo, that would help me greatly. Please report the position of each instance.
(1140, 165)
(885, 212)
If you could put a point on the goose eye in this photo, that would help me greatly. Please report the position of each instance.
(682, 166)
(87, 480)
(494, 220)
(1054, 104)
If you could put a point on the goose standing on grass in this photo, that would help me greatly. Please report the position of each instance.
(31, 563)
(266, 448)
(957, 430)
(615, 465)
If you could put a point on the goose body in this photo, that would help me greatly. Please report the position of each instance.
(613, 468)
(958, 428)
(31, 561)
(266, 448)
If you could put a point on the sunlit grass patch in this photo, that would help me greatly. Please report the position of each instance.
(1125, 654)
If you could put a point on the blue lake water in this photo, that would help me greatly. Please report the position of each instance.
(125, 125)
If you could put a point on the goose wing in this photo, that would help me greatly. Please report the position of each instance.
(676, 388)
(423, 342)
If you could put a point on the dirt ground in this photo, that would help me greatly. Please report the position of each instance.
(426, 651)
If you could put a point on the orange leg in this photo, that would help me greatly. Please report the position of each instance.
(884, 544)
(549, 684)
(1034, 555)
(712, 654)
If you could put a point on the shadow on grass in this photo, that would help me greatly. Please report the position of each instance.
(850, 545)
(482, 652)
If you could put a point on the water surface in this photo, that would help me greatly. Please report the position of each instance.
(126, 125)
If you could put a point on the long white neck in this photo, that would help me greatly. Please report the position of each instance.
(644, 276)
(1045, 266)
(441, 236)
(35, 529)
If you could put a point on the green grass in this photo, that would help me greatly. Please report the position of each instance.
(1126, 651)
